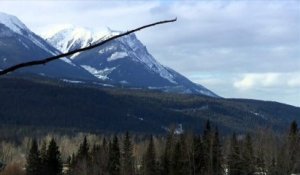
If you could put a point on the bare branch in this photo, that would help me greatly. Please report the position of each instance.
(49, 59)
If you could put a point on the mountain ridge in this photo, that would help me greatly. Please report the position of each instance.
(19, 44)
(123, 61)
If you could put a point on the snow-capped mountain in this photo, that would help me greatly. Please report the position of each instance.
(19, 44)
(125, 61)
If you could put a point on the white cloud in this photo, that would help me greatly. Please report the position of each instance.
(294, 82)
(267, 80)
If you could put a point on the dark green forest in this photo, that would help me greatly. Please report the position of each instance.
(37, 103)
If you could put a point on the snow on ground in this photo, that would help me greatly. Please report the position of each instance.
(117, 55)
(259, 115)
(101, 74)
(12, 22)
(67, 61)
(72, 81)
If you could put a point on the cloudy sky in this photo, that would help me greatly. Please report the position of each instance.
(240, 49)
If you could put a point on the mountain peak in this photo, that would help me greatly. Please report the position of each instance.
(66, 38)
(125, 60)
(69, 29)
(12, 22)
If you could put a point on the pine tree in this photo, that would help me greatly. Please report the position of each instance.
(94, 165)
(127, 156)
(33, 166)
(248, 157)
(81, 162)
(166, 157)
(234, 161)
(198, 158)
(288, 160)
(83, 151)
(43, 153)
(105, 156)
(114, 165)
(216, 155)
(184, 161)
(180, 164)
(207, 149)
(176, 160)
(293, 149)
(149, 161)
(53, 159)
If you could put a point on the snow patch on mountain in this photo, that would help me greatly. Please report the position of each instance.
(12, 23)
(117, 55)
(141, 53)
(259, 115)
(72, 81)
(101, 74)
(205, 92)
(39, 43)
(67, 61)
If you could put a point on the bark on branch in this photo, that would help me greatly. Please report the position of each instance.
(49, 59)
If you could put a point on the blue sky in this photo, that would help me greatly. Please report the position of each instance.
(239, 49)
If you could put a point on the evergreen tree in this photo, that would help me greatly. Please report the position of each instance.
(114, 165)
(166, 157)
(293, 149)
(33, 166)
(180, 160)
(105, 156)
(248, 156)
(53, 159)
(234, 162)
(198, 158)
(288, 160)
(71, 164)
(94, 165)
(176, 160)
(43, 153)
(207, 149)
(127, 156)
(81, 162)
(216, 155)
(184, 161)
(83, 151)
(149, 161)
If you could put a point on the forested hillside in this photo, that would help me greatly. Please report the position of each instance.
(37, 102)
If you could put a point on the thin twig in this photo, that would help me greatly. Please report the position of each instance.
(46, 60)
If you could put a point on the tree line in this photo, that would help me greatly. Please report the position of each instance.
(175, 154)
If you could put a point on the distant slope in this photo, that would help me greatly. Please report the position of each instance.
(47, 103)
